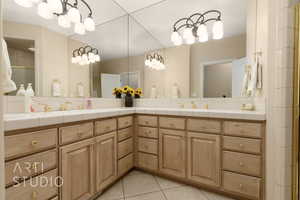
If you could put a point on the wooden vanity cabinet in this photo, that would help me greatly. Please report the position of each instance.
(106, 160)
(172, 152)
(204, 158)
(77, 170)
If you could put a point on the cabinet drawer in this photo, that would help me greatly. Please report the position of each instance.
(75, 133)
(105, 126)
(125, 148)
(42, 191)
(242, 144)
(148, 161)
(244, 185)
(148, 132)
(125, 164)
(242, 163)
(172, 123)
(201, 125)
(125, 134)
(124, 122)
(243, 129)
(147, 120)
(31, 165)
(23, 144)
(148, 145)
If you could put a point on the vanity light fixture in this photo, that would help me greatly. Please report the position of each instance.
(194, 28)
(85, 55)
(155, 61)
(66, 12)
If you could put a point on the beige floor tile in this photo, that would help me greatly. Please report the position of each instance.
(166, 184)
(212, 196)
(135, 172)
(139, 183)
(115, 192)
(149, 196)
(184, 193)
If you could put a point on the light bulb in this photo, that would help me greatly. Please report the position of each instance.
(79, 28)
(190, 40)
(84, 57)
(89, 24)
(97, 58)
(74, 60)
(202, 33)
(74, 15)
(24, 3)
(55, 6)
(64, 21)
(147, 62)
(78, 59)
(91, 55)
(218, 31)
(44, 11)
(187, 33)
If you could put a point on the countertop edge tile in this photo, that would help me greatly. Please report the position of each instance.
(30, 120)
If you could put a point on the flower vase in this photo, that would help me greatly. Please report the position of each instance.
(128, 100)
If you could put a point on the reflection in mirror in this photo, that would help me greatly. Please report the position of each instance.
(195, 70)
(111, 39)
(21, 56)
(136, 49)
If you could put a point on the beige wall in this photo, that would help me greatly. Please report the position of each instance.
(211, 51)
(52, 60)
(218, 80)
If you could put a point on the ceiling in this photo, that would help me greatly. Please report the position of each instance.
(149, 24)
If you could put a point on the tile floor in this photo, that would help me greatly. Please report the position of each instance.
(138, 185)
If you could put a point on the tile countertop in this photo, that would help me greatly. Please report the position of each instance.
(30, 120)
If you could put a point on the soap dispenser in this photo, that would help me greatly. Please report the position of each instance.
(21, 91)
(29, 90)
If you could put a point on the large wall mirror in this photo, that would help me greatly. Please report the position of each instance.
(133, 39)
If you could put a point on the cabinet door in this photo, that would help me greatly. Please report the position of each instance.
(106, 160)
(172, 152)
(204, 158)
(77, 170)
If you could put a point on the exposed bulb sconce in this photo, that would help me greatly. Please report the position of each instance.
(194, 28)
(85, 55)
(65, 11)
(155, 61)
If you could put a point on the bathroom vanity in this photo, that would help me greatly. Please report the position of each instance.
(221, 151)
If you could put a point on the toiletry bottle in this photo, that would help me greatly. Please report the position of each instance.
(21, 91)
(29, 90)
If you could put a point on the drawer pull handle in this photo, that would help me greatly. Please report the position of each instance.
(241, 186)
(241, 146)
(34, 195)
(241, 164)
(34, 143)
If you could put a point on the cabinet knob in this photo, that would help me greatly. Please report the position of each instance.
(241, 164)
(80, 134)
(172, 125)
(34, 195)
(146, 122)
(241, 186)
(34, 143)
(107, 128)
(241, 146)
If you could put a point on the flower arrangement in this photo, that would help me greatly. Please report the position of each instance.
(138, 93)
(128, 91)
(118, 93)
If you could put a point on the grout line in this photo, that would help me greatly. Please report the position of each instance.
(161, 189)
(123, 191)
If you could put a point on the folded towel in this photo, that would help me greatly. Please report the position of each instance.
(246, 80)
(7, 84)
(253, 80)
